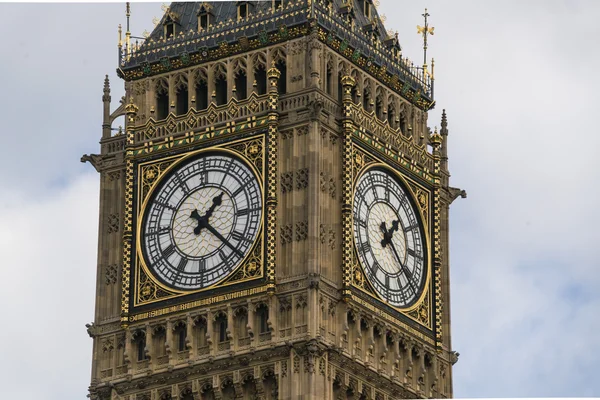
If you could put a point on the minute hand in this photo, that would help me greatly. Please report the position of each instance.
(222, 239)
(404, 268)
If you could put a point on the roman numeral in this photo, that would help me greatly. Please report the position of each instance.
(226, 173)
(202, 265)
(165, 205)
(160, 231)
(410, 228)
(247, 211)
(182, 263)
(387, 188)
(226, 260)
(362, 223)
(239, 237)
(375, 269)
(181, 183)
(366, 247)
(238, 191)
(170, 249)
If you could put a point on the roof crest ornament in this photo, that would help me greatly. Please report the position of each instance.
(424, 31)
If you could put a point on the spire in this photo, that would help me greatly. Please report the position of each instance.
(106, 96)
(424, 31)
(127, 32)
(444, 134)
(120, 45)
(106, 109)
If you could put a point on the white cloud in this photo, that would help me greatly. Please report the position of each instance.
(519, 82)
(48, 248)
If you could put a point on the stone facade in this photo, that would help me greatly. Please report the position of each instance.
(302, 323)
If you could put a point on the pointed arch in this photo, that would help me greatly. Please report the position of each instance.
(180, 84)
(240, 74)
(201, 89)
(161, 90)
(220, 81)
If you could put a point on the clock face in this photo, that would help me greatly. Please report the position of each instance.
(388, 235)
(201, 221)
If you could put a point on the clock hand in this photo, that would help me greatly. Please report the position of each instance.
(222, 239)
(203, 220)
(387, 239)
(388, 234)
(216, 202)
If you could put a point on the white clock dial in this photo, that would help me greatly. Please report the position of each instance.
(388, 236)
(201, 221)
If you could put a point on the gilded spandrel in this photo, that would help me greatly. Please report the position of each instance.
(274, 214)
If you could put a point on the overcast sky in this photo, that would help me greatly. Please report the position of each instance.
(519, 81)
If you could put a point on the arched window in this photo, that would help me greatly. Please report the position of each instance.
(241, 85)
(221, 327)
(220, 84)
(340, 91)
(367, 98)
(200, 330)
(205, 16)
(260, 77)
(282, 83)
(240, 316)
(379, 106)
(162, 99)
(159, 338)
(243, 8)
(180, 330)
(329, 80)
(391, 115)
(262, 316)
(181, 90)
(201, 97)
(139, 338)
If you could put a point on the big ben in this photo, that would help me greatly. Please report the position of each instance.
(274, 214)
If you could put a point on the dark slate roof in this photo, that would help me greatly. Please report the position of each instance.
(225, 12)
(188, 14)
(226, 27)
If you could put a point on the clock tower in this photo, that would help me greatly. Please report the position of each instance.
(274, 214)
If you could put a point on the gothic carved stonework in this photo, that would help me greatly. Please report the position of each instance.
(327, 235)
(298, 309)
(287, 182)
(302, 179)
(286, 234)
(113, 223)
(301, 232)
(114, 175)
(111, 274)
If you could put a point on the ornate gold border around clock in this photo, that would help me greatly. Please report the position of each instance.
(350, 135)
(249, 150)
(421, 310)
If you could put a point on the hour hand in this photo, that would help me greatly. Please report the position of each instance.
(387, 235)
(201, 221)
(195, 215)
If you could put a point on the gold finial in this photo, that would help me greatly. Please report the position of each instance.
(127, 32)
(155, 21)
(120, 37)
(424, 31)
(131, 110)
(432, 66)
(436, 139)
(146, 34)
